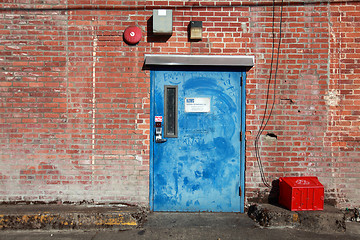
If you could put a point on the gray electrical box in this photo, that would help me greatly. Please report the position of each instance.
(162, 21)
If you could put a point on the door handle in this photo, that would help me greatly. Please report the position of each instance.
(160, 140)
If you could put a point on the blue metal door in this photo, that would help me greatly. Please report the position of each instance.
(197, 149)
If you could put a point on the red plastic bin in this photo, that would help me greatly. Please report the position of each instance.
(301, 193)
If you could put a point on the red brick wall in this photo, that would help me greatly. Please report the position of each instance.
(75, 99)
(342, 137)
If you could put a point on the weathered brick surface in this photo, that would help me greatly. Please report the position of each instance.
(75, 99)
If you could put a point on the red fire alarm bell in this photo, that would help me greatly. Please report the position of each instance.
(132, 35)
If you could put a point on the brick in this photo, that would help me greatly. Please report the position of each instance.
(47, 89)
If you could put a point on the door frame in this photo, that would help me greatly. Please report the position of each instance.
(199, 62)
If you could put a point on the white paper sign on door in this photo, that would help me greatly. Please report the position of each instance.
(197, 104)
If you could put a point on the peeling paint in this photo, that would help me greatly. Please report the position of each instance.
(65, 220)
(333, 98)
(244, 27)
(139, 158)
(115, 221)
(57, 216)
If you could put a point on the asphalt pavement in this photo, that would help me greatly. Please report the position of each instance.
(186, 226)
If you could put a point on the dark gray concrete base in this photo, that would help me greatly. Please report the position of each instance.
(272, 216)
(16, 217)
(328, 220)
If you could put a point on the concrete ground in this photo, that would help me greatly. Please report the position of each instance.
(187, 226)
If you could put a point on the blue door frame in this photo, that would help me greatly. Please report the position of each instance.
(242, 95)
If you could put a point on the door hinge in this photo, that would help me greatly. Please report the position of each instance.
(240, 191)
(240, 136)
(241, 81)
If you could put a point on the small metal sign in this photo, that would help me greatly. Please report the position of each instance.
(197, 104)
(158, 118)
